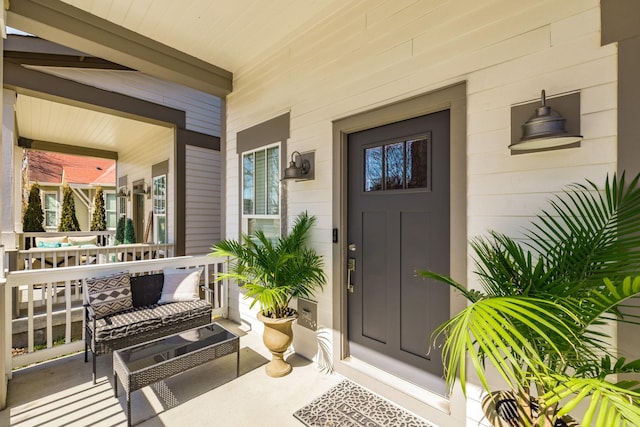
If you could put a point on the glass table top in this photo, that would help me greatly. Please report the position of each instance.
(157, 351)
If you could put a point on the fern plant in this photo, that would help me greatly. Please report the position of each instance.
(538, 319)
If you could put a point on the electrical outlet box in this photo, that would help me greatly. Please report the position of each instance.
(308, 314)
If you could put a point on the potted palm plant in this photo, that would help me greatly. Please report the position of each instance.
(273, 273)
(541, 318)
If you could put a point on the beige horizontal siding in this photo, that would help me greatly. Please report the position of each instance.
(202, 110)
(374, 53)
(202, 200)
(135, 162)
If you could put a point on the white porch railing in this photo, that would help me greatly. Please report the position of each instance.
(36, 258)
(62, 288)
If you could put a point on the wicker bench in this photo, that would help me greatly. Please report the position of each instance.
(147, 320)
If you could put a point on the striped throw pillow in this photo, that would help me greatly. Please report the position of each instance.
(110, 294)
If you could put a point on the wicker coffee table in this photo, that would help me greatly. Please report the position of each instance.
(144, 364)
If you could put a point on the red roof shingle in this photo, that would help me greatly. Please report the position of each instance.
(51, 168)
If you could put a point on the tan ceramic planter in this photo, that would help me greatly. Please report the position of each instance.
(277, 337)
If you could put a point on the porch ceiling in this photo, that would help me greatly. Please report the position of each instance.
(226, 33)
(44, 120)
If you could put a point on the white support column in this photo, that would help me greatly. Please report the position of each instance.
(3, 314)
(5, 364)
(10, 200)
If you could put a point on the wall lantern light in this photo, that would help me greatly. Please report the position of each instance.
(303, 172)
(123, 192)
(143, 189)
(544, 129)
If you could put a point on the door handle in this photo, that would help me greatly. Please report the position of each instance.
(351, 267)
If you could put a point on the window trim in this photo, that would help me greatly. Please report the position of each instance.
(107, 210)
(157, 215)
(56, 209)
(244, 218)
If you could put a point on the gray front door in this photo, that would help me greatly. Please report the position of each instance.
(398, 221)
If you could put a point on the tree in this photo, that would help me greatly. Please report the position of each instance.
(98, 219)
(129, 232)
(120, 226)
(68, 219)
(33, 214)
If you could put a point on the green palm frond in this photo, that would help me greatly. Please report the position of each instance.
(545, 299)
(470, 294)
(599, 302)
(273, 272)
(504, 331)
(608, 404)
(590, 235)
(506, 268)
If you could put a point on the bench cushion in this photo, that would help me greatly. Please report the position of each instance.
(56, 239)
(133, 321)
(183, 310)
(83, 240)
(142, 319)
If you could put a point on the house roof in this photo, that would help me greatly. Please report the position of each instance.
(55, 168)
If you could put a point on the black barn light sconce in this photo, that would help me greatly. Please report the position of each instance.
(546, 128)
(301, 167)
(143, 189)
(123, 193)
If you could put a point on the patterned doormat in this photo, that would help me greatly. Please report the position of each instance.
(349, 405)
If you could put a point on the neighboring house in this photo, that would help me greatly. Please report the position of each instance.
(349, 81)
(83, 174)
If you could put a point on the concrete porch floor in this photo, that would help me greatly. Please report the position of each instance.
(60, 393)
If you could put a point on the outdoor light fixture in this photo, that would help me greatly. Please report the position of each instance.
(143, 189)
(544, 129)
(302, 172)
(123, 192)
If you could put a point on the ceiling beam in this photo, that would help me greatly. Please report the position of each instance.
(67, 25)
(51, 60)
(27, 50)
(47, 86)
(66, 149)
(20, 43)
